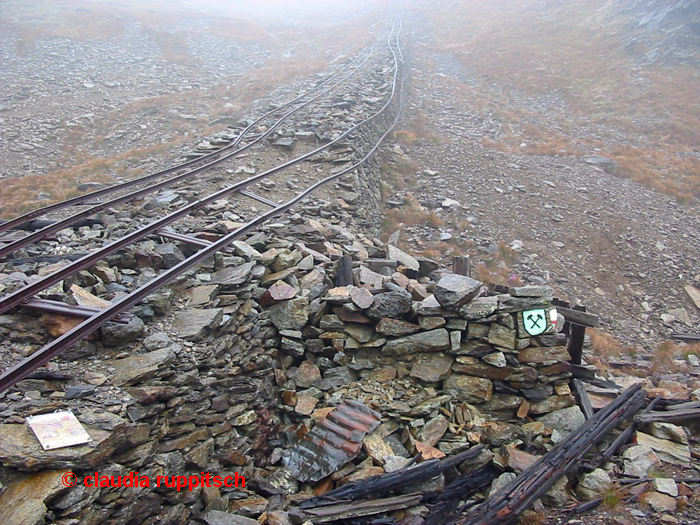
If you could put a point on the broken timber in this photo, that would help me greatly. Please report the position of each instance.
(504, 507)
(672, 414)
(384, 483)
(347, 502)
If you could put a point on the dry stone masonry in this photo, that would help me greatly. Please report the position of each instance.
(241, 358)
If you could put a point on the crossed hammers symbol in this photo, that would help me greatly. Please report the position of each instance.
(535, 320)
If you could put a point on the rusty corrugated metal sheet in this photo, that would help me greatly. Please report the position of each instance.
(333, 442)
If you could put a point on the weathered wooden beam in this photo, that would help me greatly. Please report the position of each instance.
(354, 509)
(378, 485)
(461, 265)
(625, 436)
(668, 416)
(686, 337)
(344, 275)
(505, 507)
(582, 371)
(683, 406)
(579, 317)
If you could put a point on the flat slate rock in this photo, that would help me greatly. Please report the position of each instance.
(432, 341)
(233, 276)
(142, 366)
(402, 257)
(194, 324)
(452, 290)
(20, 449)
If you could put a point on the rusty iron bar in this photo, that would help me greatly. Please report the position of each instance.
(57, 307)
(181, 237)
(83, 199)
(11, 376)
(505, 507)
(259, 198)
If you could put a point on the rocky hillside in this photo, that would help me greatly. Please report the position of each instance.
(667, 32)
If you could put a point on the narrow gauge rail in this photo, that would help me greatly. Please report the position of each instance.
(378, 126)
(215, 160)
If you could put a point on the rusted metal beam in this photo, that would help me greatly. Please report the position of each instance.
(259, 198)
(57, 307)
(187, 239)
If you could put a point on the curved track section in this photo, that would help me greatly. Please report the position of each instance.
(366, 138)
(57, 226)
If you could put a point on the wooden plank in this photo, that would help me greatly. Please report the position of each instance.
(684, 406)
(355, 509)
(686, 337)
(579, 317)
(576, 341)
(344, 276)
(391, 481)
(582, 371)
(505, 506)
(669, 416)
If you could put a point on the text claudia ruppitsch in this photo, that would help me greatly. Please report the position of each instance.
(133, 479)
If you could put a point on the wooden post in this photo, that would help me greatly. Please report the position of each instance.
(344, 275)
(578, 334)
(461, 265)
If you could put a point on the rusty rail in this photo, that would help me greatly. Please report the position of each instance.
(16, 373)
(88, 197)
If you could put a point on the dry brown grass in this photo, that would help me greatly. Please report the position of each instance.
(664, 361)
(411, 214)
(532, 517)
(605, 345)
(20, 195)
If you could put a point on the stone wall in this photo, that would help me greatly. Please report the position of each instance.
(250, 350)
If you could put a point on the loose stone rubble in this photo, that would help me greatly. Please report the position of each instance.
(207, 379)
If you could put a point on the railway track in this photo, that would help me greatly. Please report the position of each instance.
(369, 126)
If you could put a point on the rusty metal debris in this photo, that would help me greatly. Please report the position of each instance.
(336, 440)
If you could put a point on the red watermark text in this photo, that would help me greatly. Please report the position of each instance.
(134, 479)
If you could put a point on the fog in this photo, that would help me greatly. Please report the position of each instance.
(285, 8)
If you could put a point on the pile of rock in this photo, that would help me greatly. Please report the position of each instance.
(245, 356)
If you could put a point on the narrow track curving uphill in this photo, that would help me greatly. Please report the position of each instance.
(364, 137)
